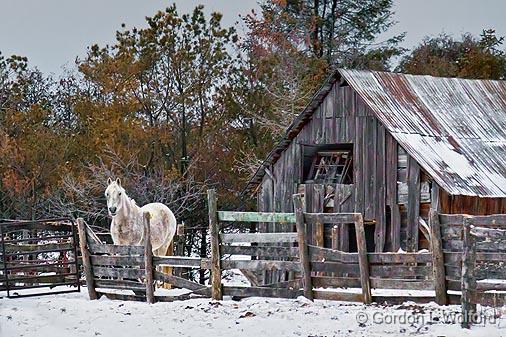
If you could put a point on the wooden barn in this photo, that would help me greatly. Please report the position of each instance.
(390, 146)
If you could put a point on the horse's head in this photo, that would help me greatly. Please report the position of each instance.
(114, 194)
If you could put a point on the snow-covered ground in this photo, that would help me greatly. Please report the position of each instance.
(74, 315)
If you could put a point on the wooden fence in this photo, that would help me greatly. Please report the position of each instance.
(314, 271)
(38, 254)
(483, 278)
(110, 269)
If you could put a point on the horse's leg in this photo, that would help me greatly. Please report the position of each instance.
(169, 251)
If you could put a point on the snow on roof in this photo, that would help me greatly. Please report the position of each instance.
(454, 128)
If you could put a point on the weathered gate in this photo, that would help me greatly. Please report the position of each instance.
(38, 254)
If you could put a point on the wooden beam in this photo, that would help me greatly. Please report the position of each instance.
(329, 218)
(303, 250)
(256, 217)
(438, 266)
(258, 237)
(216, 287)
(362, 259)
(88, 271)
(413, 205)
(468, 280)
(148, 259)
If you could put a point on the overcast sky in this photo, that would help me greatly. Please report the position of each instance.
(52, 33)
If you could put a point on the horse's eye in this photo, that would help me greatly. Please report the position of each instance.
(119, 193)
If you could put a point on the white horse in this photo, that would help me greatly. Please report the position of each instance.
(127, 220)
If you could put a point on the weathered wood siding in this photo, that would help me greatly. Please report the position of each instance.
(389, 188)
(342, 118)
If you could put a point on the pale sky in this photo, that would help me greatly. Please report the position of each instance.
(52, 33)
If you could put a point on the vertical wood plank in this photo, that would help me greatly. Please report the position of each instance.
(148, 259)
(468, 280)
(438, 267)
(395, 214)
(303, 250)
(362, 259)
(380, 179)
(413, 205)
(434, 197)
(335, 237)
(216, 287)
(85, 253)
(318, 207)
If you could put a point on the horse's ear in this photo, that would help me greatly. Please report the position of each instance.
(109, 181)
(118, 181)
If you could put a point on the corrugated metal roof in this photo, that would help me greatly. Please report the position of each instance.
(454, 128)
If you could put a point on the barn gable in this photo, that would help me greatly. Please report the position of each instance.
(454, 128)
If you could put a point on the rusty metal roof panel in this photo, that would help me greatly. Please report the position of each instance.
(454, 128)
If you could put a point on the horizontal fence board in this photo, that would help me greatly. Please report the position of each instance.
(33, 266)
(260, 251)
(336, 267)
(456, 257)
(488, 246)
(121, 297)
(178, 261)
(258, 237)
(183, 283)
(391, 271)
(319, 253)
(119, 284)
(496, 220)
(491, 285)
(97, 260)
(337, 296)
(335, 282)
(256, 217)
(41, 250)
(41, 278)
(118, 272)
(394, 300)
(379, 283)
(261, 265)
(400, 271)
(41, 238)
(330, 218)
(46, 285)
(50, 227)
(488, 233)
(261, 292)
(100, 248)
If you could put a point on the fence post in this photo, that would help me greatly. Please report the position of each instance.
(438, 265)
(303, 250)
(85, 253)
(468, 280)
(362, 258)
(148, 259)
(216, 288)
